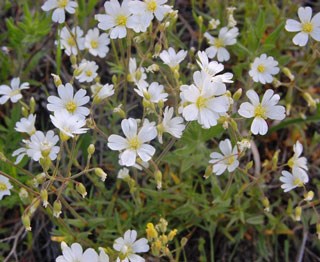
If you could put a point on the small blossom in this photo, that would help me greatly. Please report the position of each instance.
(128, 246)
(101, 92)
(227, 160)
(75, 253)
(73, 103)
(171, 58)
(150, 8)
(137, 75)
(72, 42)
(153, 93)
(260, 111)
(204, 100)
(26, 125)
(135, 142)
(60, 6)
(263, 69)
(172, 125)
(307, 27)
(12, 92)
(291, 181)
(123, 173)
(116, 19)
(225, 38)
(297, 163)
(214, 23)
(68, 124)
(88, 71)
(97, 44)
(5, 187)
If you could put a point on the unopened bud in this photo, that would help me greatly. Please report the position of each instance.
(44, 197)
(157, 49)
(311, 102)
(309, 196)
(34, 205)
(172, 234)
(57, 207)
(275, 159)
(100, 173)
(32, 105)
(183, 241)
(276, 83)
(288, 73)
(81, 189)
(57, 80)
(297, 213)
(249, 165)
(158, 178)
(26, 221)
(73, 60)
(151, 232)
(45, 163)
(208, 172)
(118, 110)
(24, 111)
(162, 226)
(91, 149)
(266, 204)
(236, 96)
(24, 195)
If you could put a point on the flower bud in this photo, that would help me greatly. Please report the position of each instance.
(57, 207)
(26, 221)
(236, 96)
(151, 232)
(249, 165)
(288, 73)
(81, 189)
(208, 172)
(57, 80)
(45, 163)
(91, 149)
(162, 225)
(73, 60)
(157, 49)
(44, 197)
(114, 79)
(32, 105)
(311, 102)
(100, 173)
(266, 204)
(183, 241)
(34, 205)
(24, 111)
(118, 110)
(172, 234)
(158, 178)
(308, 196)
(297, 213)
(275, 159)
(24, 195)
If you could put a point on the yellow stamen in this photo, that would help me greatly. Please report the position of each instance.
(201, 102)
(121, 20)
(71, 41)
(260, 111)
(62, 3)
(307, 27)
(89, 73)
(94, 44)
(298, 182)
(3, 186)
(218, 43)
(261, 68)
(229, 160)
(71, 106)
(152, 6)
(134, 143)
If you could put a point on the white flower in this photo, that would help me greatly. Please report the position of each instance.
(75, 253)
(297, 163)
(60, 7)
(26, 125)
(88, 71)
(21, 152)
(172, 125)
(306, 27)
(263, 68)
(171, 58)
(116, 19)
(150, 8)
(153, 93)
(71, 43)
(204, 100)
(135, 142)
(68, 124)
(212, 68)
(226, 37)
(12, 92)
(101, 92)
(140, 20)
(137, 74)
(5, 187)
(103, 257)
(261, 111)
(123, 173)
(97, 44)
(128, 246)
(291, 181)
(43, 145)
(67, 101)
(227, 160)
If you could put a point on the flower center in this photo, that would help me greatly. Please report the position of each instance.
(45, 148)
(134, 143)
(71, 106)
(125, 251)
(229, 160)
(121, 20)
(307, 27)
(62, 3)
(94, 44)
(260, 111)
(297, 182)
(201, 102)
(14, 92)
(261, 68)
(89, 73)
(218, 43)
(152, 6)
(71, 41)
(3, 186)
(291, 162)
